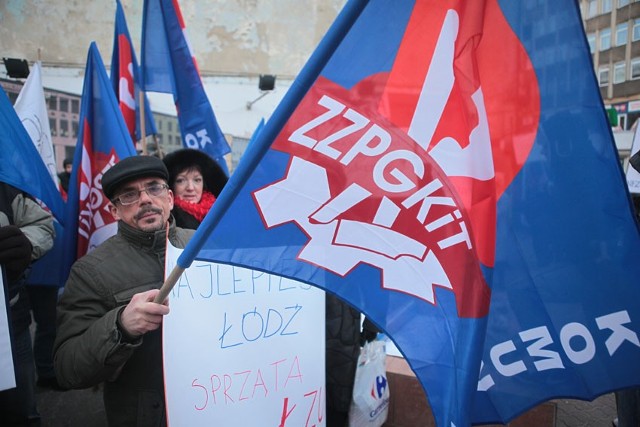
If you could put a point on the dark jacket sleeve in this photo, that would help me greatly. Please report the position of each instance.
(89, 348)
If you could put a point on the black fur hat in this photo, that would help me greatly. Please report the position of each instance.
(212, 174)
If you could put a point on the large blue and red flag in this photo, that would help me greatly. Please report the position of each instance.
(434, 157)
(125, 78)
(103, 140)
(168, 66)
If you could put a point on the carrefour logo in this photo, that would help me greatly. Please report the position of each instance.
(379, 395)
(379, 387)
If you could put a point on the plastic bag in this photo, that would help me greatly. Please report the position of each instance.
(370, 403)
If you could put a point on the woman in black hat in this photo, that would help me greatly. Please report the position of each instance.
(196, 180)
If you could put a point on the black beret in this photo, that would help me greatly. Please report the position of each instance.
(132, 168)
(214, 177)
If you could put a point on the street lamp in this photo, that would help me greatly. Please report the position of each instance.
(266, 84)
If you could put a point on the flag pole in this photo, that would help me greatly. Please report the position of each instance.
(159, 148)
(143, 126)
(289, 103)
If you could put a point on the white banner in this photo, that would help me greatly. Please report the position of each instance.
(7, 375)
(243, 348)
(32, 110)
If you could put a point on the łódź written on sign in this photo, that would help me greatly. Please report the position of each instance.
(242, 347)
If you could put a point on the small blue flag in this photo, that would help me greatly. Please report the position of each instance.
(168, 66)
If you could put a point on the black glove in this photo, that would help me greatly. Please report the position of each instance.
(15, 251)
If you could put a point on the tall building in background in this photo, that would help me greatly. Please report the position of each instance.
(613, 33)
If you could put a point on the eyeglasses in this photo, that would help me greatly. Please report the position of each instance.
(131, 197)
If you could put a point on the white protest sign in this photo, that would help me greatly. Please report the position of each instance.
(7, 375)
(633, 176)
(244, 348)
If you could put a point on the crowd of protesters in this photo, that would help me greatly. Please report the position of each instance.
(103, 328)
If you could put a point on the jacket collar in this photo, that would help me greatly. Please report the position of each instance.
(155, 240)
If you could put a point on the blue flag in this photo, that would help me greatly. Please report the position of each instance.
(431, 158)
(565, 306)
(125, 78)
(103, 140)
(168, 66)
(256, 132)
(20, 163)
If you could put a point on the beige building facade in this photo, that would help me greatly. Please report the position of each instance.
(228, 37)
(613, 33)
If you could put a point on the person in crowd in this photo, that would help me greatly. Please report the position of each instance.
(196, 180)
(628, 400)
(109, 327)
(64, 177)
(344, 337)
(26, 234)
(43, 299)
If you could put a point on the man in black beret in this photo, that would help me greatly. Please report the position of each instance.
(109, 328)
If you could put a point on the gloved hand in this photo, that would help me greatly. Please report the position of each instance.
(15, 251)
(369, 332)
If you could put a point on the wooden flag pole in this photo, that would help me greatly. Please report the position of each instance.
(168, 284)
(160, 152)
(143, 126)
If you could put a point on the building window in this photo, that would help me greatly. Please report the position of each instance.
(53, 103)
(75, 106)
(591, 38)
(635, 69)
(605, 39)
(636, 30)
(74, 129)
(64, 105)
(622, 3)
(69, 152)
(170, 126)
(53, 125)
(606, 6)
(603, 76)
(622, 34)
(64, 128)
(619, 74)
(592, 8)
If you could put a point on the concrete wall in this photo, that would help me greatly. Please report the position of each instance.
(228, 37)
(233, 40)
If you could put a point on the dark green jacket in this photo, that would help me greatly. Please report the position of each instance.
(89, 347)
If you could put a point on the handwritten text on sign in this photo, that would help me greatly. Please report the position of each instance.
(242, 347)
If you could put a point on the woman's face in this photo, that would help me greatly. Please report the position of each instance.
(188, 185)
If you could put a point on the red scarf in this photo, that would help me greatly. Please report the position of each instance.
(197, 210)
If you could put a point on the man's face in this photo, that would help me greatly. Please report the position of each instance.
(149, 213)
(68, 167)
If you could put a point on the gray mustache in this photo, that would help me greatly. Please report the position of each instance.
(144, 211)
